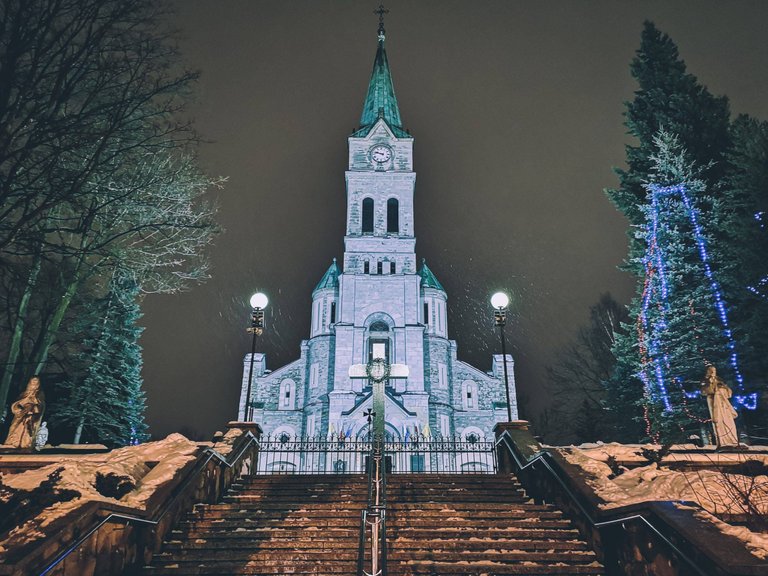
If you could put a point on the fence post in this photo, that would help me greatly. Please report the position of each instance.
(518, 430)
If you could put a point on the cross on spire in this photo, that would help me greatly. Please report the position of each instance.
(381, 11)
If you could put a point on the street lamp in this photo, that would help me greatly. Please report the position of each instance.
(258, 303)
(500, 301)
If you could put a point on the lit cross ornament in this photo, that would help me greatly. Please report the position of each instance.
(378, 371)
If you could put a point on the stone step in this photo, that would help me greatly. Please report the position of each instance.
(228, 524)
(487, 568)
(266, 556)
(305, 479)
(299, 541)
(436, 525)
(287, 497)
(468, 506)
(563, 532)
(475, 543)
(394, 568)
(501, 556)
(318, 568)
(399, 520)
(242, 531)
(252, 511)
(234, 501)
(304, 522)
(260, 544)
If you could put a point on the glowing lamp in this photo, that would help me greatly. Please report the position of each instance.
(259, 300)
(499, 300)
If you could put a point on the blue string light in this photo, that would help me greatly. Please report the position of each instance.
(656, 282)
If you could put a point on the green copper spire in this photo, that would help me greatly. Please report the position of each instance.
(330, 279)
(380, 102)
(428, 279)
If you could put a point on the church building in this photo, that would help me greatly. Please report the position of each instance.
(380, 302)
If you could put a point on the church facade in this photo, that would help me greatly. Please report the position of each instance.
(380, 302)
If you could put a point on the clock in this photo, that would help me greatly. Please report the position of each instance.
(381, 154)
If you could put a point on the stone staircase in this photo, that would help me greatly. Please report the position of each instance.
(477, 525)
(271, 524)
(436, 525)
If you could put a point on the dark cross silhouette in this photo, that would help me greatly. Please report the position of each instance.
(370, 414)
(381, 11)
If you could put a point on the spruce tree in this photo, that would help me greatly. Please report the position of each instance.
(105, 401)
(682, 318)
(744, 237)
(669, 98)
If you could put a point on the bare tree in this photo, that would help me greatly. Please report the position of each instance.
(96, 163)
(577, 379)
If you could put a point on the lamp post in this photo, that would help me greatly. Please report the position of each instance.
(258, 303)
(500, 301)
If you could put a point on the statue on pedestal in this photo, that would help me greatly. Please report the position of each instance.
(721, 411)
(27, 413)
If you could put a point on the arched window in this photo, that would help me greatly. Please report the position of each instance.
(367, 215)
(379, 326)
(378, 340)
(393, 216)
(287, 395)
(469, 395)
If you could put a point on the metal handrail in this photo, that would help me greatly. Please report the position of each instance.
(543, 456)
(375, 514)
(200, 465)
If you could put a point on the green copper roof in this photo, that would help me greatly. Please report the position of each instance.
(330, 279)
(380, 102)
(428, 279)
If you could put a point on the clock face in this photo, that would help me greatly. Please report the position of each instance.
(381, 154)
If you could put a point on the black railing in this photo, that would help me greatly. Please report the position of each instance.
(194, 475)
(374, 517)
(337, 454)
(542, 461)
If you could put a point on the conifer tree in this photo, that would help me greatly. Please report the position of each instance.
(670, 98)
(107, 404)
(682, 319)
(744, 237)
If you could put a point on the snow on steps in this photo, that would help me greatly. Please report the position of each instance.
(436, 525)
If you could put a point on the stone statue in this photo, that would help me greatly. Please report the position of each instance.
(721, 411)
(27, 413)
(42, 437)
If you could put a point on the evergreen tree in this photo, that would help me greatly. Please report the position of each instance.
(669, 98)
(682, 318)
(744, 237)
(107, 405)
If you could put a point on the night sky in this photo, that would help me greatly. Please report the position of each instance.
(516, 111)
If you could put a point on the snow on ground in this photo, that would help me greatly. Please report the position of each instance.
(149, 465)
(693, 476)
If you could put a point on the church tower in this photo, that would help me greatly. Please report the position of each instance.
(379, 302)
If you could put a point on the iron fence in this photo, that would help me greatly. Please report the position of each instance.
(336, 454)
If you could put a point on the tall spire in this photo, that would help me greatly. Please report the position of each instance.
(380, 102)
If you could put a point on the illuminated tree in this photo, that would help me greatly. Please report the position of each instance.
(682, 319)
(668, 98)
